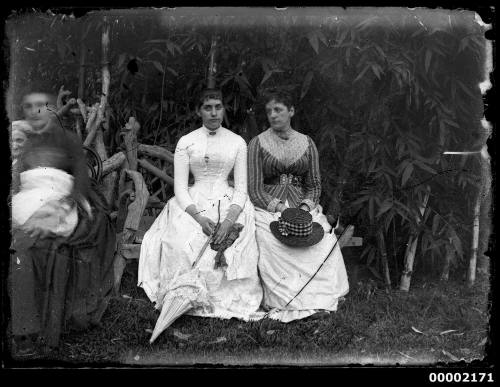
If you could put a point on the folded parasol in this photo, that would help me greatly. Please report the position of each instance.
(184, 291)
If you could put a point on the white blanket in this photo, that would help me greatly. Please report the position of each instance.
(40, 202)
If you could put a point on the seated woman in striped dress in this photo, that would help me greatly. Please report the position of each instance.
(283, 172)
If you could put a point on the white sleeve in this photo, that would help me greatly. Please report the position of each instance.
(181, 174)
(240, 174)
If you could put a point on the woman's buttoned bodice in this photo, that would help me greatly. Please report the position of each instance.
(210, 158)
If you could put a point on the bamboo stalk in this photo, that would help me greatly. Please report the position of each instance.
(80, 120)
(81, 72)
(383, 253)
(394, 254)
(408, 265)
(471, 272)
(156, 171)
(445, 273)
(212, 69)
(410, 251)
(106, 79)
(94, 126)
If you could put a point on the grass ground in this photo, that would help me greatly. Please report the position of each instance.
(434, 322)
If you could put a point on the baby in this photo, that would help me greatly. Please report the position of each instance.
(19, 132)
(53, 178)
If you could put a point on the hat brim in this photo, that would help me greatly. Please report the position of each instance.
(299, 241)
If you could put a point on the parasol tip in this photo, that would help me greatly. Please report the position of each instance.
(171, 310)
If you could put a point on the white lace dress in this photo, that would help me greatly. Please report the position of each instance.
(175, 239)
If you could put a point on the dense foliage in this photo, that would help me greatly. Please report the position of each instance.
(382, 93)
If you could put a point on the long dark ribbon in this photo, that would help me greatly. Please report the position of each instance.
(316, 272)
(319, 268)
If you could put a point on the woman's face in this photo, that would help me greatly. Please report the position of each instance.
(211, 113)
(18, 140)
(279, 115)
(36, 110)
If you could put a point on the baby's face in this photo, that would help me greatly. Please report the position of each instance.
(18, 140)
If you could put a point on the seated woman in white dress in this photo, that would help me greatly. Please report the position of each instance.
(283, 172)
(171, 248)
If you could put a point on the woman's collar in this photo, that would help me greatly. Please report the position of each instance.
(209, 132)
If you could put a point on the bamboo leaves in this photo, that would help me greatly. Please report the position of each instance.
(158, 66)
(307, 83)
(428, 56)
(314, 37)
(407, 172)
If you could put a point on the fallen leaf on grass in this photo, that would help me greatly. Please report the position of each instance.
(116, 339)
(148, 330)
(416, 330)
(126, 296)
(270, 332)
(136, 357)
(482, 342)
(451, 356)
(316, 332)
(405, 355)
(219, 340)
(180, 335)
(448, 331)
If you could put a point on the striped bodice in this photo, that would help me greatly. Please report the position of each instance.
(283, 170)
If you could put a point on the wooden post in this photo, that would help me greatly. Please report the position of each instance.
(113, 163)
(157, 152)
(136, 207)
(471, 272)
(132, 221)
(156, 171)
(410, 251)
(109, 181)
(129, 133)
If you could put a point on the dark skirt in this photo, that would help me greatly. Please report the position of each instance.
(57, 284)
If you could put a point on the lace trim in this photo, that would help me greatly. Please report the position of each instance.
(286, 151)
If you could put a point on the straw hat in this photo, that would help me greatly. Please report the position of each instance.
(296, 228)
